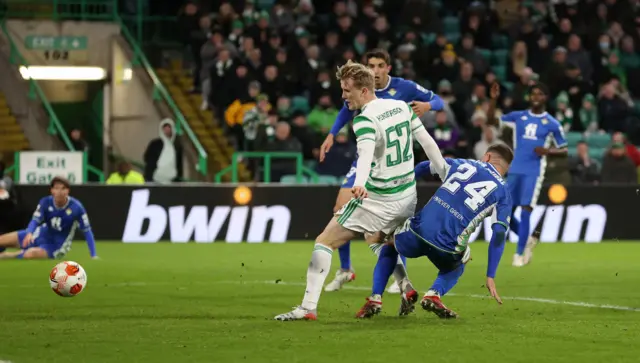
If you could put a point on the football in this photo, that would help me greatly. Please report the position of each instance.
(68, 279)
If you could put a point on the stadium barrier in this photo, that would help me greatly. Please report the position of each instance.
(277, 214)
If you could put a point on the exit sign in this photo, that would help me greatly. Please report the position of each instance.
(46, 42)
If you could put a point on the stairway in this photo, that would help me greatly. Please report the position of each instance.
(210, 135)
(12, 138)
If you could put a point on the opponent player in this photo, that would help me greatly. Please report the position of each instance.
(384, 192)
(52, 228)
(534, 130)
(471, 191)
(422, 100)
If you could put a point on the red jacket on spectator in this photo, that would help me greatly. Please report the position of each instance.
(633, 153)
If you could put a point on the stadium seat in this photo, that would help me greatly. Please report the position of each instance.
(572, 151)
(451, 24)
(328, 179)
(486, 54)
(500, 41)
(428, 38)
(599, 140)
(508, 85)
(265, 4)
(453, 37)
(299, 103)
(293, 179)
(501, 72)
(597, 154)
(573, 138)
(500, 57)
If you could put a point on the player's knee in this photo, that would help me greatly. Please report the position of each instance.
(10, 240)
(336, 207)
(35, 254)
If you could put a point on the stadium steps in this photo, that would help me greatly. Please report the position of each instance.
(211, 136)
(36, 9)
(12, 137)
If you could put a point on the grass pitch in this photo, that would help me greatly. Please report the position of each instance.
(214, 303)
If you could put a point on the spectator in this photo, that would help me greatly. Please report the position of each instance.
(564, 111)
(272, 84)
(323, 115)
(584, 170)
(578, 56)
(236, 37)
(253, 120)
(632, 151)
(517, 61)
(538, 57)
(197, 38)
(78, 141)
(221, 74)
(589, 114)
(489, 138)
(468, 52)
(600, 57)
(330, 51)
(629, 58)
(463, 86)
(125, 175)
(575, 85)
(309, 140)
(284, 109)
(448, 68)
(163, 156)
(445, 135)
(555, 72)
(612, 109)
(282, 18)
(260, 31)
(339, 159)
(235, 113)
(445, 92)
(617, 167)
(283, 141)
(615, 70)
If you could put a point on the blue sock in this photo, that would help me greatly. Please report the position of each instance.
(514, 225)
(387, 261)
(345, 256)
(446, 281)
(523, 231)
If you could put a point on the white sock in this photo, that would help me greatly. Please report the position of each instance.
(400, 275)
(316, 274)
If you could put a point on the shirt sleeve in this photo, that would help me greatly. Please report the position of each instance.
(509, 119)
(366, 137)
(83, 219)
(424, 95)
(558, 136)
(502, 212)
(344, 116)
(38, 216)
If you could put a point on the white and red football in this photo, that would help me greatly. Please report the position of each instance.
(68, 279)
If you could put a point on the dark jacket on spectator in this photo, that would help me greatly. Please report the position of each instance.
(583, 172)
(163, 157)
(620, 170)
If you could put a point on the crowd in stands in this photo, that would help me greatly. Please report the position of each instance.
(266, 69)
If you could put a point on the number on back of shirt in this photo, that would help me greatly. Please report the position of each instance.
(56, 223)
(477, 191)
(398, 144)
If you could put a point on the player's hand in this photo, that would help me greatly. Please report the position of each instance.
(420, 107)
(359, 192)
(494, 92)
(326, 146)
(28, 239)
(491, 286)
(542, 151)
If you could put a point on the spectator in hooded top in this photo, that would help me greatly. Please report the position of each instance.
(163, 156)
(617, 167)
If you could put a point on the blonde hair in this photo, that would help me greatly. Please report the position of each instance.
(361, 75)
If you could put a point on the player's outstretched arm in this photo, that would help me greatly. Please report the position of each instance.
(344, 116)
(424, 100)
(496, 249)
(85, 227)
(366, 139)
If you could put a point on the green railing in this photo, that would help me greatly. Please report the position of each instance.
(35, 92)
(107, 10)
(266, 157)
(86, 168)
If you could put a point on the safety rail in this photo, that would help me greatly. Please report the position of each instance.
(107, 10)
(86, 168)
(267, 158)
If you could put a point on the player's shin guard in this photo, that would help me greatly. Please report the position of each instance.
(446, 281)
(316, 274)
(387, 261)
(345, 256)
(523, 231)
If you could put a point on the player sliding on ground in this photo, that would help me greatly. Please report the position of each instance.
(52, 228)
(471, 191)
(421, 99)
(534, 130)
(384, 192)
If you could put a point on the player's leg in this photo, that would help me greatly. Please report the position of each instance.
(534, 184)
(451, 267)
(530, 189)
(11, 240)
(345, 273)
(333, 236)
(515, 184)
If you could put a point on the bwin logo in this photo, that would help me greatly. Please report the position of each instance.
(202, 226)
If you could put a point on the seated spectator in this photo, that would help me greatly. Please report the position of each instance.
(340, 157)
(445, 135)
(589, 114)
(613, 109)
(310, 140)
(283, 108)
(323, 115)
(125, 175)
(283, 141)
(234, 115)
(632, 151)
(253, 120)
(489, 138)
(617, 167)
(584, 170)
(564, 112)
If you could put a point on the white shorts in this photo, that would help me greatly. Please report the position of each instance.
(370, 215)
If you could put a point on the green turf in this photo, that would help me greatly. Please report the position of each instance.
(214, 303)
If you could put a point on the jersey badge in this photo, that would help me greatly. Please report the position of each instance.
(68, 211)
(392, 92)
(545, 121)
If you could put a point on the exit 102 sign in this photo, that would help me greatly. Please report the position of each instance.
(47, 42)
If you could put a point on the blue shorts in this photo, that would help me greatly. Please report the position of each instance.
(43, 240)
(350, 178)
(411, 246)
(524, 189)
